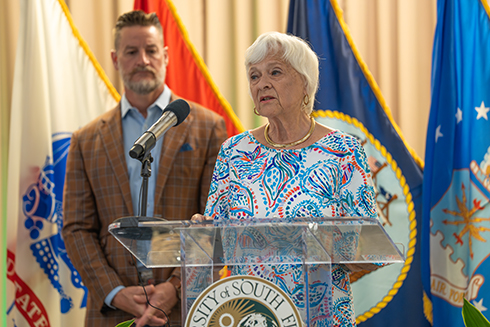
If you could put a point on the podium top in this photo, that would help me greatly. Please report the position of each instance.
(160, 243)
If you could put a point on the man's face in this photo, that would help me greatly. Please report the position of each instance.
(141, 59)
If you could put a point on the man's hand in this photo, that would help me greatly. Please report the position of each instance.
(164, 297)
(125, 299)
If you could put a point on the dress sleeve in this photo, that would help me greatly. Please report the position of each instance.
(217, 205)
(357, 186)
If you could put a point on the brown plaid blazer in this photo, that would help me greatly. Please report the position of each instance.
(97, 192)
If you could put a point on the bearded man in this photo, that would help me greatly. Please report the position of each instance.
(103, 183)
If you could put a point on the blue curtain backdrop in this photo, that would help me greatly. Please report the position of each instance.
(456, 226)
(350, 100)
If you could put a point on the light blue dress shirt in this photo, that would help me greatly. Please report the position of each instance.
(133, 126)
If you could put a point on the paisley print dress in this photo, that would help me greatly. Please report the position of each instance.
(326, 179)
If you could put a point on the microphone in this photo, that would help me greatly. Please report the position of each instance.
(174, 114)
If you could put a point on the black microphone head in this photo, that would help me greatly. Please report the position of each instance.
(180, 108)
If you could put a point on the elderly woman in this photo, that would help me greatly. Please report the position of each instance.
(292, 166)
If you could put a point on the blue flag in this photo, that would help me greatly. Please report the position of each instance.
(456, 211)
(349, 99)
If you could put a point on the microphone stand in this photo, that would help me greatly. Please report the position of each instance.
(145, 173)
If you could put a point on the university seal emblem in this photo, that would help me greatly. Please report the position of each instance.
(243, 301)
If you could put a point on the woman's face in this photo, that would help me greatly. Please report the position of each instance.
(276, 87)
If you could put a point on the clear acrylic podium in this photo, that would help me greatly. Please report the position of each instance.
(209, 251)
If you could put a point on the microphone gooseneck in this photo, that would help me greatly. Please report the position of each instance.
(174, 114)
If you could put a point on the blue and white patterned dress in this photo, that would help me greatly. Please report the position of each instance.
(326, 179)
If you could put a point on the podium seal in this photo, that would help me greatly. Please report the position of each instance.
(243, 301)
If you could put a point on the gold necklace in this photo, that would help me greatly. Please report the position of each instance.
(304, 138)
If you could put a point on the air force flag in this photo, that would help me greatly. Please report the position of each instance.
(456, 210)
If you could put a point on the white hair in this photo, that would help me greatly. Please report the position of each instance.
(295, 51)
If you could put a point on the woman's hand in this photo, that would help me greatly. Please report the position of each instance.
(199, 217)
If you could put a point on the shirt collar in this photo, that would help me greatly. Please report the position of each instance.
(161, 102)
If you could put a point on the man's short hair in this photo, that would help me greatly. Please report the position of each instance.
(135, 18)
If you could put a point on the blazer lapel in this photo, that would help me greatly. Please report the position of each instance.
(172, 143)
(112, 140)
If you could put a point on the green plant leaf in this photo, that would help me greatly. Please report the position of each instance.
(472, 317)
(126, 323)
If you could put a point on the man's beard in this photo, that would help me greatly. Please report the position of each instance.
(145, 86)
